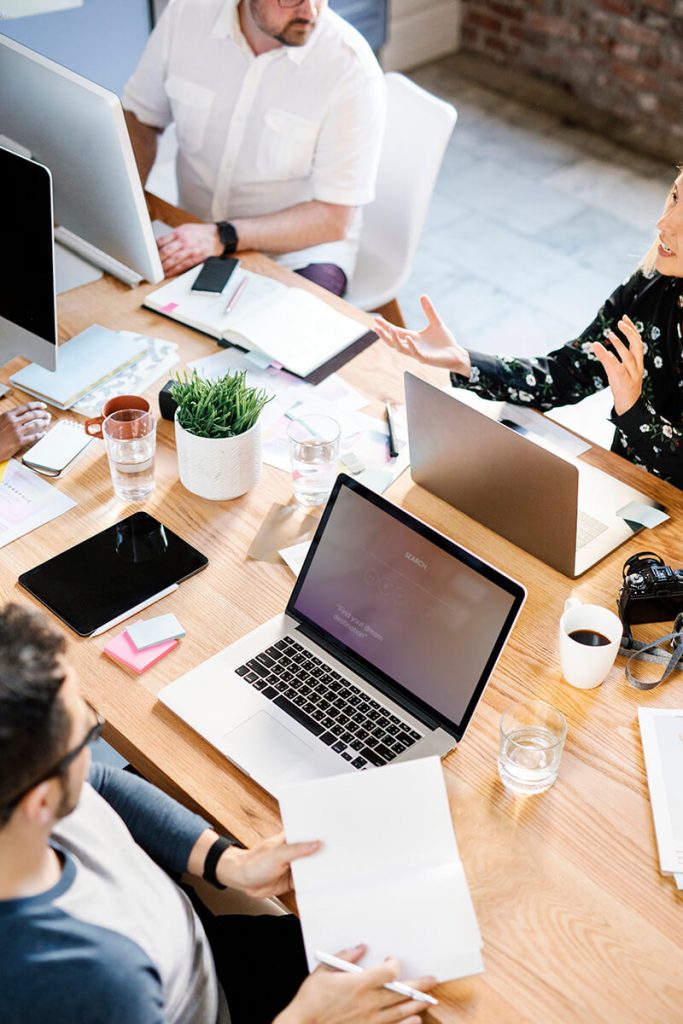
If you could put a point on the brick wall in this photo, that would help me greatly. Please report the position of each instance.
(622, 57)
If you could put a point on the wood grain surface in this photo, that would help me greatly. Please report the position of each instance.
(577, 922)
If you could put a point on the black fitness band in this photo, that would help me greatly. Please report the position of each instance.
(218, 847)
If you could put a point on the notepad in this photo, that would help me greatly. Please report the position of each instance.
(290, 326)
(388, 873)
(86, 361)
(123, 650)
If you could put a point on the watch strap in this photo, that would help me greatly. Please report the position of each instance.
(227, 236)
(218, 847)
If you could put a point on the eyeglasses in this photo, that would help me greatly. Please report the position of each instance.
(296, 3)
(91, 735)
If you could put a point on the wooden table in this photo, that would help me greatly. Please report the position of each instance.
(577, 922)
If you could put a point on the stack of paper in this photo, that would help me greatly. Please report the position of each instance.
(388, 874)
(662, 735)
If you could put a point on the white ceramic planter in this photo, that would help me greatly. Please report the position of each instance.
(219, 468)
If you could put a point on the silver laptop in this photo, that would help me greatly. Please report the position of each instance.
(385, 648)
(564, 512)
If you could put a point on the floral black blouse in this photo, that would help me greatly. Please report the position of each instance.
(650, 433)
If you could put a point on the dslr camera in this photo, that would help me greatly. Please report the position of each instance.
(652, 592)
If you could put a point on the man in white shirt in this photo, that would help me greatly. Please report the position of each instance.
(279, 111)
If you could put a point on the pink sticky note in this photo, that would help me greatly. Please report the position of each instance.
(169, 307)
(122, 649)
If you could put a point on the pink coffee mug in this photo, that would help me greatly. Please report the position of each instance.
(93, 427)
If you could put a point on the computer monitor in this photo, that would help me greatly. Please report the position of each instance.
(28, 308)
(78, 130)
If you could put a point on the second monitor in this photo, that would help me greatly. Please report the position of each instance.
(77, 129)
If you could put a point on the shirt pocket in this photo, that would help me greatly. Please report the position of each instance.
(286, 146)
(191, 104)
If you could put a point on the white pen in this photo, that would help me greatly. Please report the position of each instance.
(393, 986)
(232, 301)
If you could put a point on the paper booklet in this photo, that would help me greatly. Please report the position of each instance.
(84, 362)
(27, 502)
(288, 325)
(662, 735)
(388, 873)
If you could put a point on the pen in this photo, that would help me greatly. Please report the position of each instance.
(393, 986)
(389, 412)
(232, 301)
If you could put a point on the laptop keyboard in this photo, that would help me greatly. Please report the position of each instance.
(588, 529)
(340, 714)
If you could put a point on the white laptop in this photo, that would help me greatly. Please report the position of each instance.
(385, 648)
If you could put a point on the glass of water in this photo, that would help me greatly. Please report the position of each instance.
(130, 439)
(532, 735)
(314, 448)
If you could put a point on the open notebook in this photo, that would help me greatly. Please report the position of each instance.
(288, 325)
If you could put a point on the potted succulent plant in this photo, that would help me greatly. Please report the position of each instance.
(218, 434)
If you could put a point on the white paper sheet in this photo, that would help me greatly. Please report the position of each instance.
(295, 556)
(389, 873)
(662, 735)
(27, 501)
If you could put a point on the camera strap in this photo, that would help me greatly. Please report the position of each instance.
(635, 650)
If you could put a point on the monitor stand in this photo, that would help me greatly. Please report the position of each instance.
(71, 271)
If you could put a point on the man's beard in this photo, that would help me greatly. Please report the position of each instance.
(68, 801)
(285, 38)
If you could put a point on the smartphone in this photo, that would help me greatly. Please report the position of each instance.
(215, 274)
(58, 449)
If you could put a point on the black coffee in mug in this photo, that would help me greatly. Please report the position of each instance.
(589, 638)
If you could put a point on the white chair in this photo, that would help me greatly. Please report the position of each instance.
(418, 128)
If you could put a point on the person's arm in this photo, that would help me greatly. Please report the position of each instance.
(179, 840)
(144, 139)
(296, 227)
(651, 440)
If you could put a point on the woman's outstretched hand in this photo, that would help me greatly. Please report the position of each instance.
(433, 345)
(626, 377)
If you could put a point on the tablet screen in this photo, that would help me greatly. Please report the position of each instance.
(103, 577)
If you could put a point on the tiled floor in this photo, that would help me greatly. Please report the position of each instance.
(532, 225)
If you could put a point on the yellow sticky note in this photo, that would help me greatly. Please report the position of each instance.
(3, 467)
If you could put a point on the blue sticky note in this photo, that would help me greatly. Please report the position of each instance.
(148, 632)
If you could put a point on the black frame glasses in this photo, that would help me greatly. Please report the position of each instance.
(93, 733)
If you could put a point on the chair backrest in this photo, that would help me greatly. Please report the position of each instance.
(418, 128)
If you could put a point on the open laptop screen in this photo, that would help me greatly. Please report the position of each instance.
(428, 617)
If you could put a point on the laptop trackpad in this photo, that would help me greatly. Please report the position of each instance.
(263, 743)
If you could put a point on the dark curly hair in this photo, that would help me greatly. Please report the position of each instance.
(34, 724)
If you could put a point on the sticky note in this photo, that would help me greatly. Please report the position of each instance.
(169, 307)
(3, 467)
(642, 514)
(123, 650)
(148, 632)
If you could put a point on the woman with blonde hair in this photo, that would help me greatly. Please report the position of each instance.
(642, 364)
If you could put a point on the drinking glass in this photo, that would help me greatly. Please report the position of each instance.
(532, 735)
(314, 448)
(130, 440)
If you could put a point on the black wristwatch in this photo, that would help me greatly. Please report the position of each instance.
(211, 861)
(228, 237)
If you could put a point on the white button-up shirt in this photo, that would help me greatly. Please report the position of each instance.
(257, 134)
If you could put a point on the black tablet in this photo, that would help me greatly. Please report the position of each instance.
(116, 570)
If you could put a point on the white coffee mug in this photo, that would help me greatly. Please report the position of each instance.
(584, 657)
